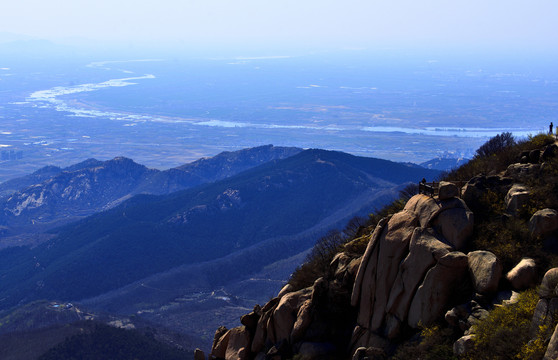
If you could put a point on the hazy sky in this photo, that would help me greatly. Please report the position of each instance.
(350, 23)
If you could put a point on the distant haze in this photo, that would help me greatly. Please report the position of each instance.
(477, 24)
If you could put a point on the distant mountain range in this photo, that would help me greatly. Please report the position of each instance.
(52, 196)
(236, 228)
(148, 234)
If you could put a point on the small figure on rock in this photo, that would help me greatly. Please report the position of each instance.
(550, 128)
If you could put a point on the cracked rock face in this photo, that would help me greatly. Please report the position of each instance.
(411, 266)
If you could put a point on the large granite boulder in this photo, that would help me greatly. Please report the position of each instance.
(431, 299)
(250, 320)
(303, 321)
(265, 322)
(549, 152)
(285, 290)
(464, 344)
(454, 222)
(451, 217)
(345, 267)
(425, 207)
(238, 347)
(447, 190)
(425, 250)
(516, 198)
(544, 223)
(220, 343)
(485, 270)
(534, 156)
(549, 284)
(284, 315)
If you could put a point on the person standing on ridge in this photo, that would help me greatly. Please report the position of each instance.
(550, 127)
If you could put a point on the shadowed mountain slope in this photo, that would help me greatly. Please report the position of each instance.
(52, 196)
(149, 234)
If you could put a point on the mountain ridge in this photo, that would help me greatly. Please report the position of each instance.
(279, 198)
(64, 195)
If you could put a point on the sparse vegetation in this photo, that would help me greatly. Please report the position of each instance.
(317, 262)
(497, 154)
(504, 333)
(496, 145)
(106, 342)
(432, 343)
(353, 238)
(495, 231)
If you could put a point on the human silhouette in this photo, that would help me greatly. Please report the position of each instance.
(550, 127)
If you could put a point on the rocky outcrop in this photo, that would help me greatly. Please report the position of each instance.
(431, 300)
(464, 316)
(549, 284)
(220, 343)
(549, 152)
(238, 346)
(454, 222)
(544, 317)
(408, 275)
(285, 314)
(425, 251)
(410, 267)
(309, 322)
(546, 312)
(451, 217)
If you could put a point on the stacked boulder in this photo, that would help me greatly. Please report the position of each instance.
(412, 267)
(314, 322)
